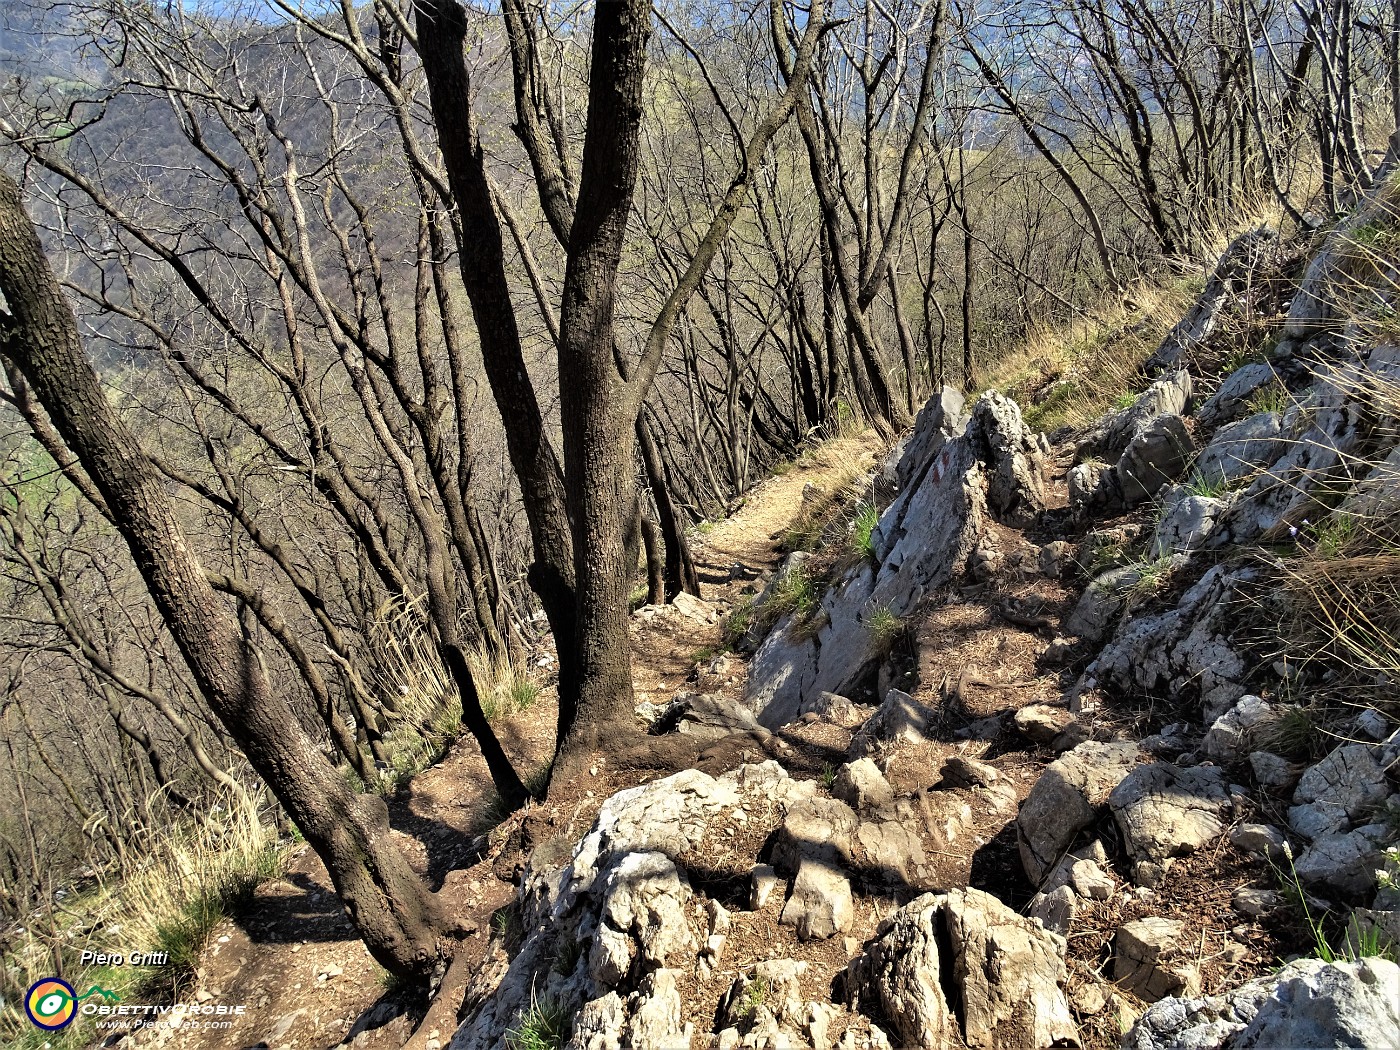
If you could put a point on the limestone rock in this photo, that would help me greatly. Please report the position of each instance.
(1232, 735)
(959, 771)
(1011, 975)
(1042, 723)
(820, 903)
(816, 828)
(710, 717)
(1091, 881)
(1234, 393)
(1145, 960)
(1345, 861)
(1166, 811)
(1349, 779)
(1167, 396)
(861, 785)
(900, 717)
(1264, 839)
(1186, 523)
(1157, 456)
(1316, 820)
(1066, 799)
(893, 847)
(1274, 771)
(644, 899)
(1055, 910)
(1016, 467)
(763, 880)
(1241, 450)
(1255, 903)
(1308, 1003)
(901, 971)
(834, 708)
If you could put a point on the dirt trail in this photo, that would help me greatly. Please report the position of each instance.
(293, 961)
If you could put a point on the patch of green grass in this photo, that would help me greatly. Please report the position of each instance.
(736, 625)
(546, 1025)
(505, 924)
(885, 627)
(755, 995)
(1273, 397)
(1152, 576)
(862, 532)
(567, 952)
(1334, 534)
(1127, 399)
(703, 655)
(1208, 488)
(828, 776)
(795, 593)
(1376, 236)
(1357, 943)
(1294, 733)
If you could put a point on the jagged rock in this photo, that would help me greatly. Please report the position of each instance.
(1186, 524)
(1376, 495)
(1041, 723)
(1264, 839)
(644, 897)
(942, 418)
(1090, 483)
(624, 897)
(862, 786)
(1255, 903)
(1170, 741)
(1016, 467)
(1241, 450)
(1274, 771)
(900, 717)
(1308, 1003)
(1165, 811)
(1168, 396)
(1349, 779)
(1157, 456)
(1231, 276)
(1231, 736)
(1066, 799)
(1010, 973)
(711, 717)
(820, 903)
(1145, 960)
(1233, 395)
(1184, 650)
(921, 541)
(1345, 861)
(901, 970)
(1007, 971)
(961, 771)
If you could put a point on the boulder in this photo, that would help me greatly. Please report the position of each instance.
(643, 913)
(1055, 910)
(1274, 771)
(894, 849)
(1308, 1003)
(815, 828)
(1041, 723)
(1066, 799)
(959, 771)
(1102, 603)
(899, 718)
(1186, 523)
(1091, 881)
(711, 717)
(1007, 973)
(1157, 456)
(1264, 839)
(1010, 973)
(1167, 396)
(1165, 811)
(1346, 861)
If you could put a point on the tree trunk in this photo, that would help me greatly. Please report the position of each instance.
(399, 919)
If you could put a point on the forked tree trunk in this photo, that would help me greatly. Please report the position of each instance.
(394, 912)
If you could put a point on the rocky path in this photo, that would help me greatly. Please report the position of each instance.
(292, 959)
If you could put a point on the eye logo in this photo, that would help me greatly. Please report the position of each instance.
(51, 1004)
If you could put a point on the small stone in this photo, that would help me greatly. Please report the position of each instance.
(1090, 881)
(1255, 903)
(1089, 999)
(1372, 725)
(1041, 723)
(1259, 838)
(960, 771)
(763, 881)
(1055, 910)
